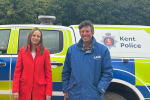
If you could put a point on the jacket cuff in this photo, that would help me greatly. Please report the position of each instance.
(48, 94)
(65, 91)
(102, 91)
(14, 91)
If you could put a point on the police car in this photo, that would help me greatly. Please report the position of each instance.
(128, 45)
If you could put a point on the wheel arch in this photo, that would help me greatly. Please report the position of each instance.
(125, 86)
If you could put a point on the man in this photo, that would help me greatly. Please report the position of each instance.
(87, 71)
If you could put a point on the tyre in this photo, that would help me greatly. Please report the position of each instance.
(113, 96)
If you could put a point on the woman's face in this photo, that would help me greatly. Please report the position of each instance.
(35, 38)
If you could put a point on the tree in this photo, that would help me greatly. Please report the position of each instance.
(67, 12)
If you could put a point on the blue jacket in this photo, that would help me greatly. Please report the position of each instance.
(87, 74)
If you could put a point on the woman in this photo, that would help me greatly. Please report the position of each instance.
(32, 77)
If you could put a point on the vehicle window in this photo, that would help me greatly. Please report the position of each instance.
(4, 39)
(53, 40)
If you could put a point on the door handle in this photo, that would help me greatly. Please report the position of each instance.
(55, 64)
(58, 64)
(2, 64)
(125, 60)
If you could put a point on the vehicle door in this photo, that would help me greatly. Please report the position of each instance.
(6, 42)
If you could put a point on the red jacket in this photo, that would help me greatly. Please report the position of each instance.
(33, 75)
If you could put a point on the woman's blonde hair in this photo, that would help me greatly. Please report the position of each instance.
(41, 43)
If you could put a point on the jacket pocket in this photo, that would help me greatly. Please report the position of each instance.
(42, 82)
(22, 85)
(93, 91)
(21, 79)
(72, 82)
(94, 86)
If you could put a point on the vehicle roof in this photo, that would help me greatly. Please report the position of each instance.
(56, 26)
(35, 25)
(100, 25)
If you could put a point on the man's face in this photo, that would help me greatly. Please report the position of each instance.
(86, 34)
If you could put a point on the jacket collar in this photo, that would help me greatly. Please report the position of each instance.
(80, 44)
(37, 48)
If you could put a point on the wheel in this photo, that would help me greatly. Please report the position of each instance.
(113, 96)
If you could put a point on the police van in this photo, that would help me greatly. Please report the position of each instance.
(128, 44)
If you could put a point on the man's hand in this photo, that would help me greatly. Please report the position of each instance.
(48, 97)
(15, 95)
(66, 95)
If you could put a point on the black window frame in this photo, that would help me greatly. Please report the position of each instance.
(5, 51)
(61, 40)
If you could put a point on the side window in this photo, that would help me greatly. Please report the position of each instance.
(53, 40)
(23, 35)
(4, 39)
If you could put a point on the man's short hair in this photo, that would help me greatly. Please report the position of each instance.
(86, 23)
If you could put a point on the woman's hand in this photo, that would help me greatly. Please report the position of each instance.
(48, 97)
(15, 95)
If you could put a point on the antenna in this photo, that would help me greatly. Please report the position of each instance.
(45, 19)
